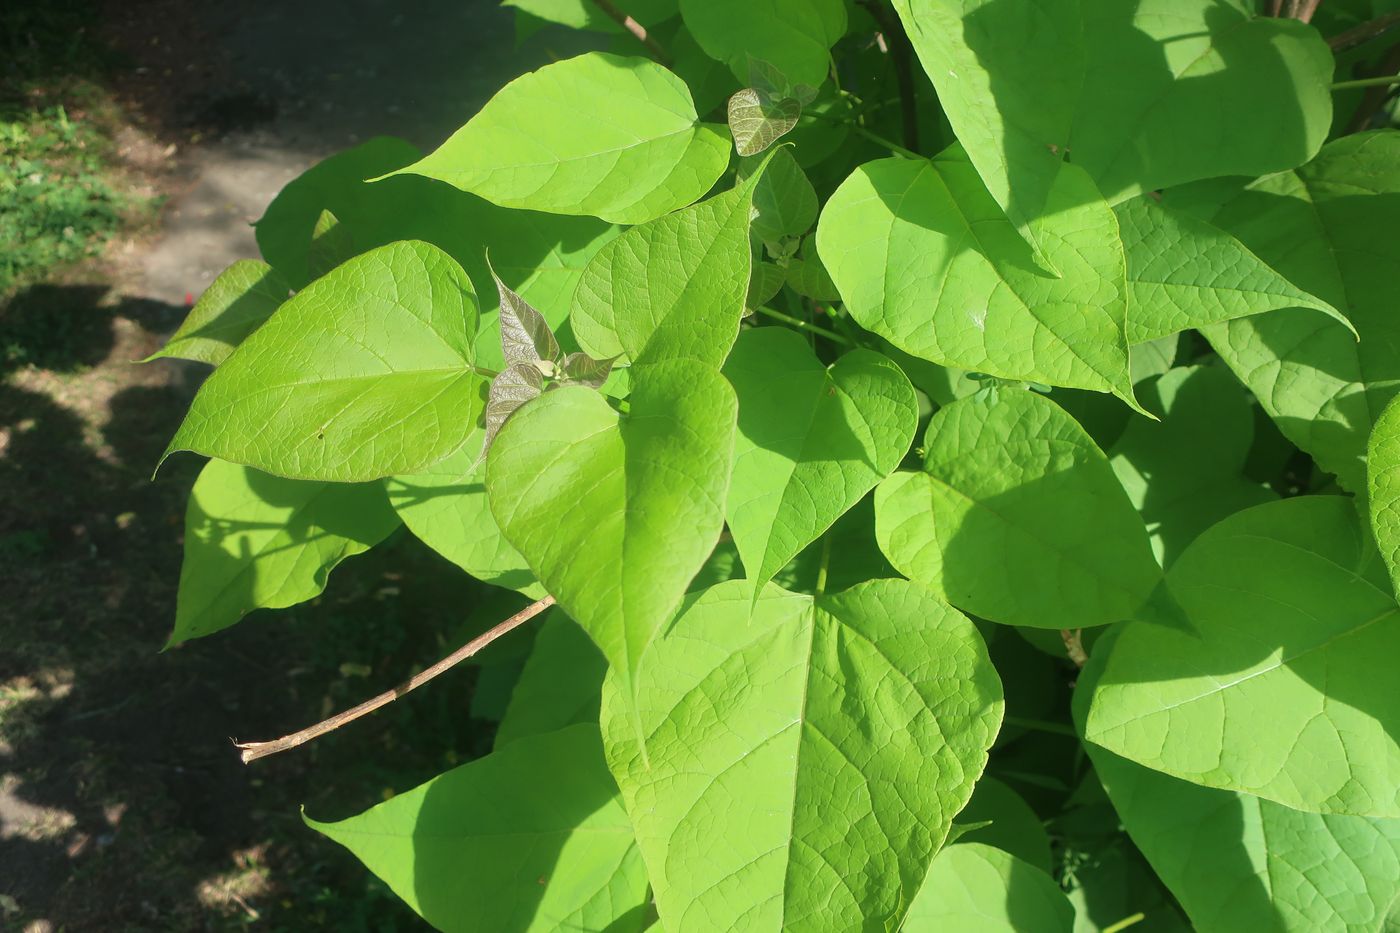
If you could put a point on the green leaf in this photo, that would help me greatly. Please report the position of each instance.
(1326, 227)
(365, 373)
(616, 515)
(531, 837)
(1238, 862)
(1184, 273)
(560, 685)
(585, 14)
(972, 886)
(925, 258)
(803, 759)
(1017, 517)
(288, 228)
(812, 441)
(445, 506)
(1014, 828)
(254, 541)
(766, 282)
(1141, 96)
(784, 203)
(1282, 685)
(808, 278)
(1186, 472)
(757, 119)
(794, 36)
(232, 307)
(1383, 487)
(671, 288)
(331, 244)
(606, 135)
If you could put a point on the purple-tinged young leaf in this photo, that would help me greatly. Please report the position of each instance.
(525, 334)
(582, 369)
(513, 386)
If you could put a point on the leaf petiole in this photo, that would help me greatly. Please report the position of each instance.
(805, 325)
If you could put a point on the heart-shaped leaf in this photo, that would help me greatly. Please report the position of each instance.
(643, 495)
(791, 37)
(757, 119)
(672, 288)
(1235, 861)
(1281, 686)
(1017, 517)
(367, 372)
(923, 256)
(1140, 95)
(971, 886)
(612, 136)
(812, 441)
(254, 541)
(791, 762)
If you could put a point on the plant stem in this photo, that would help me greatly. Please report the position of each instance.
(1366, 82)
(1074, 646)
(882, 141)
(805, 325)
(825, 564)
(900, 53)
(1125, 923)
(255, 750)
(635, 28)
(1039, 725)
(1359, 35)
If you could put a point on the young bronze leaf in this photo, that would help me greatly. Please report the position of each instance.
(525, 334)
(513, 386)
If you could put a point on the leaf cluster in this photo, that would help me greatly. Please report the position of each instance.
(994, 529)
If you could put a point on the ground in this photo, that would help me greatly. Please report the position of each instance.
(122, 803)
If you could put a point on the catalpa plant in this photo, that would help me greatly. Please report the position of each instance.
(956, 438)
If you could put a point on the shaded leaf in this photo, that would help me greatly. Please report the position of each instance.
(812, 441)
(1141, 95)
(445, 507)
(1280, 687)
(1017, 517)
(331, 244)
(972, 886)
(232, 307)
(1186, 472)
(924, 257)
(288, 226)
(784, 203)
(1327, 228)
(1383, 487)
(531, 838)
(1240, 862)
(560, 685)
(792, 37)
(582, 369)
(254, 541)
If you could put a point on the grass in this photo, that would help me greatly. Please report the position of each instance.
(61, 194)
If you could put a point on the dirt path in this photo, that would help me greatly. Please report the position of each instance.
(122, 806)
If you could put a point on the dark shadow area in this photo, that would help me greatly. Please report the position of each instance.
(66, 328)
